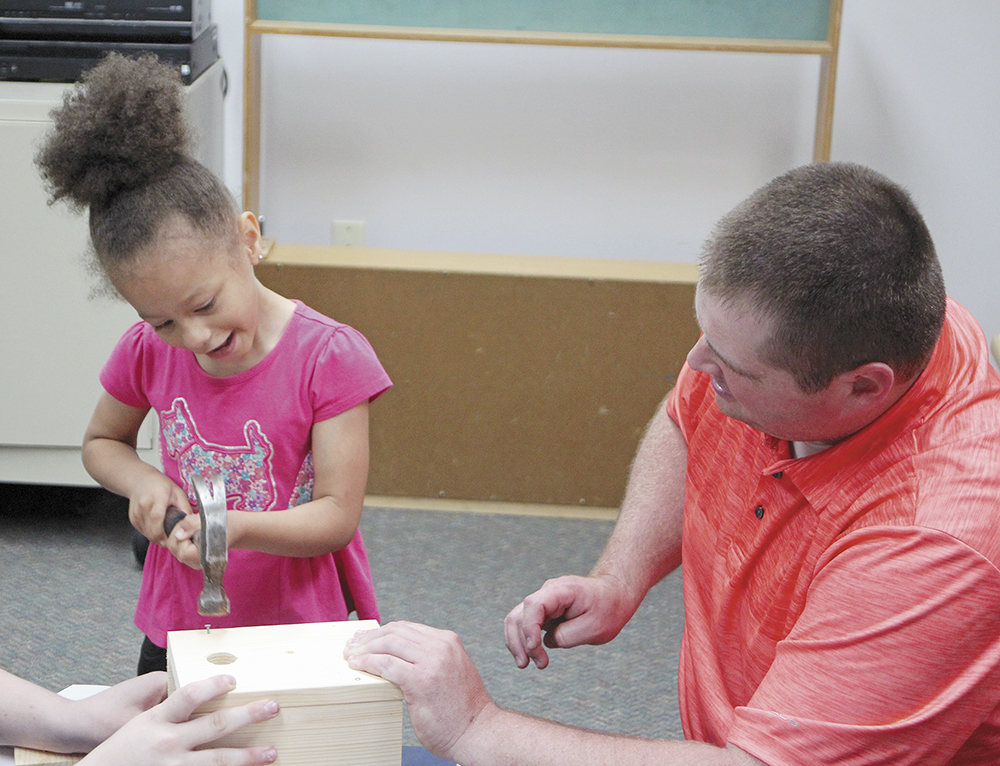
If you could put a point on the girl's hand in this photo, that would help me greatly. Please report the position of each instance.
(166, 734)
(148, 504)
(182, 543)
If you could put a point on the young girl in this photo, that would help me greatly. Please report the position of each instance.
(263, 390)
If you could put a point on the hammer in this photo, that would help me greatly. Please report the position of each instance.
(210, 499)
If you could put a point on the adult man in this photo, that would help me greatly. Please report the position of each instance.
(828, 467)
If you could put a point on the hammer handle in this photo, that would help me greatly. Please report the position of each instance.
(170, 519)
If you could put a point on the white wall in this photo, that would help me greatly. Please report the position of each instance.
(621, 153)
(918, 98)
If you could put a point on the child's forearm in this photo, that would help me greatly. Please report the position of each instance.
(330, 520)
(117, 467)
(321, 526)
(114, 465)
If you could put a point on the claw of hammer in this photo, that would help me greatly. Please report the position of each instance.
(213, 543)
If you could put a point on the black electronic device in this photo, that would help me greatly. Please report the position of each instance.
(155, 21)
(66, 60)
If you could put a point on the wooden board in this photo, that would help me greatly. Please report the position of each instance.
(516, 379)
(303, 663)
(330, 714)
(24, 756)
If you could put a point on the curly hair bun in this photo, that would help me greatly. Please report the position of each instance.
(121, 126)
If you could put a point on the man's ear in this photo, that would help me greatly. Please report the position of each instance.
(871, 383)
(250, 237)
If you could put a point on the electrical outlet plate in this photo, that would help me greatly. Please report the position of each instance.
(348, 233)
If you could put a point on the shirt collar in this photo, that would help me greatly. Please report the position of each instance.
(822, 477)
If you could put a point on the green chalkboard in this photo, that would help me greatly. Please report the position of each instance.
(741, 19)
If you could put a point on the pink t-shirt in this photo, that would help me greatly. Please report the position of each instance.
(253, 428)
(844, 608)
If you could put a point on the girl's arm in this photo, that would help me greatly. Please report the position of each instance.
(109, 456)
(329, 521)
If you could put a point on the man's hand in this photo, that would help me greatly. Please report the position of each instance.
(454, 717)
(570, 611)
(165, 735)
(443, 691)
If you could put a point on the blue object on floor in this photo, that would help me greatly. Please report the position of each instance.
(418, 756)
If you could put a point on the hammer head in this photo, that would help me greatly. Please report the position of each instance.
(210, 496)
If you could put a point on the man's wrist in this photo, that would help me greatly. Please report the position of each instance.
(485, 740)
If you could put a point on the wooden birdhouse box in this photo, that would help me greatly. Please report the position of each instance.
(330, 714)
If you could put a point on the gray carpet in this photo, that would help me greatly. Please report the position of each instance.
(69, 581)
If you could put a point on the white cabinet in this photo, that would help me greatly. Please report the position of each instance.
(54, 337)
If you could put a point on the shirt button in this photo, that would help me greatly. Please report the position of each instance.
(759, 511)
(778, 475)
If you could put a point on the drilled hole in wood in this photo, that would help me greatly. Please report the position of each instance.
(221, 658)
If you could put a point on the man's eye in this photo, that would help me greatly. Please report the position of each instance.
(207, 306)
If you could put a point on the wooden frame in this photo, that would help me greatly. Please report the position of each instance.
(330, 715)
(255, 28)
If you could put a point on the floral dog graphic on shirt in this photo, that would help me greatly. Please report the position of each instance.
(247, 468)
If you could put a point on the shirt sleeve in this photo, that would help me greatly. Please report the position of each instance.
(121, 375)
(347, 373)
(894, 659)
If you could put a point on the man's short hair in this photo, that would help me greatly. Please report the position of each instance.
(839, 257)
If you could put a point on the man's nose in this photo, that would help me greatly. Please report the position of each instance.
(700, 356)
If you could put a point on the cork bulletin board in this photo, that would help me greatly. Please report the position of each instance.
(516, 379)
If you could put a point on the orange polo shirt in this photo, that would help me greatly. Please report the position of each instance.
(844, 608)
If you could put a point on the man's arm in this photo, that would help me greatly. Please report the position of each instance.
(454, 717)
(644, 547)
